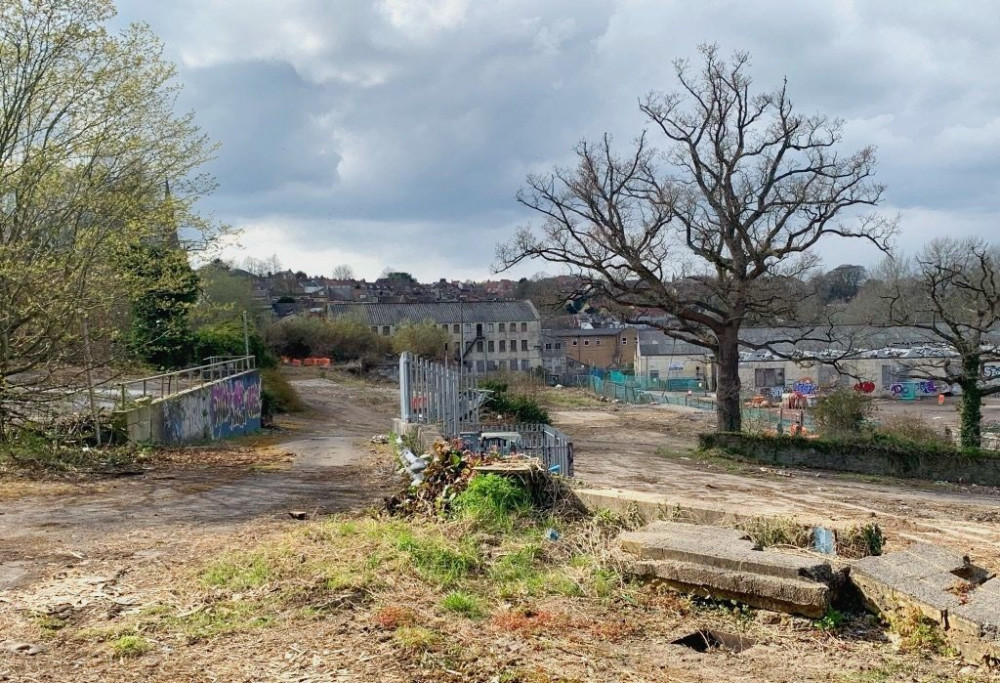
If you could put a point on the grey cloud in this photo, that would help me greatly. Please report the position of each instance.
(365, 132)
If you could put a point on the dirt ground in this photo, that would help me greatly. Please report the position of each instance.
(85, 564)
(649, 448)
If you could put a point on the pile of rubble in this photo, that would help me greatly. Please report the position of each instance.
(437, 477)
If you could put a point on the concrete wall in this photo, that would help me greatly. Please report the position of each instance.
(672, 366)
(219, 410)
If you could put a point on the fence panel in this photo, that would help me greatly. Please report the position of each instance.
(432, 393)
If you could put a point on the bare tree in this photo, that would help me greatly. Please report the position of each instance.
(718, 227)
(951, 291)
(343, 272)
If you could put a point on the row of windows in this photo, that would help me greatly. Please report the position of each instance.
(491, 346)
(456, 328)
(494, 365)
(586, 342)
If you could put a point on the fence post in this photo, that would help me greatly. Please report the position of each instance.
(404, 386)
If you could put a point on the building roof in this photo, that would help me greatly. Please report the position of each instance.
(439, 312)
(657, 343)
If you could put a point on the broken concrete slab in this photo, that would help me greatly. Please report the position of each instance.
(724, 563)
(944, 587)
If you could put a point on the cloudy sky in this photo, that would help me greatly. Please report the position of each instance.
(395, 133)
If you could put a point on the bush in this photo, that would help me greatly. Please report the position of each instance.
(342, 340)
(519, 407)
(912, 429)
(226, 339)
(492, 501)
(425, 339)
(843, 412)
(277, 395)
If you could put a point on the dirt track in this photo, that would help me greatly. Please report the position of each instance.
(318, 466)
(617, 447)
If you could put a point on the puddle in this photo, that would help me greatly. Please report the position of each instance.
(706, 640)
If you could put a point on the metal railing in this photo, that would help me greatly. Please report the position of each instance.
(168, 383)
(551, 446)
(432, 393)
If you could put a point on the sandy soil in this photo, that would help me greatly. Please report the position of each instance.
(616, 447)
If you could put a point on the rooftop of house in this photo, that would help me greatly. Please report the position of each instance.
(438, 312)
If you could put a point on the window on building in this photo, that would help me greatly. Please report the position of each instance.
(769, 377)
(444, 327)
(375, 329)
(524, 344)
(597, 342)
(574, 342)
(501, 365)
(479, 346)
(524, 327)
(491, 365)
(456, 329)
(654, 374)
(586, 342)
(503, 345)
(525, 365)
(548, 347)
(490, 327)
(558, 346)
(385, 330)
(480, 366)
(624, 341)
(491, 347)
(503, 327)
(468, 327)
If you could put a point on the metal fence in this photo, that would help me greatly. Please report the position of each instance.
(432, 393)
(165, 384)
(551, 446)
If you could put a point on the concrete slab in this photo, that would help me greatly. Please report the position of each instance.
(944, 587)
(724, 563)
(729, 549)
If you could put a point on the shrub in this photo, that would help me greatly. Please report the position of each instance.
(913, 429)
(226, 339)
(519, 407)
(425, 339)
(278, 395)
(130, 645)
(492, 501)
(843, 411)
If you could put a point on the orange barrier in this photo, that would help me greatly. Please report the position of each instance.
(308, 362)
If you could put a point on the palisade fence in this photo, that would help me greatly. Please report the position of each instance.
(432, 393)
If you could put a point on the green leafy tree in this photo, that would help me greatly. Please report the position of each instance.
(425, 339)
(89, 139)
(167, 289)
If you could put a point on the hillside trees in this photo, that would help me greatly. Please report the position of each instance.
(88, 142)
(715, 228)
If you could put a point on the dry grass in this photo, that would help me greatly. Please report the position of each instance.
(375, 598)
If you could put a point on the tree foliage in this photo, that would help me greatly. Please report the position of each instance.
(88, 142)
(425, 339)
(716, 228)
(343, 339)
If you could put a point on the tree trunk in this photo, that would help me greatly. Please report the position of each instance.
(727, 390)
(971, 408)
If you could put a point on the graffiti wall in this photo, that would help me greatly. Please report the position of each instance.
(225, 408)
(234, 406)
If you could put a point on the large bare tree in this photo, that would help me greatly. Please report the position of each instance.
(716, 228)
(951, 292)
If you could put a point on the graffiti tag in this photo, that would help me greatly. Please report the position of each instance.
(235, 405)
(804, 386)
(865, 387)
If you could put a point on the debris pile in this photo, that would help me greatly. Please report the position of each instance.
(437, 476)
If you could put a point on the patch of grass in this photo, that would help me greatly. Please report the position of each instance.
(416, 638)
(238, 572)
(516, 566)
(831, 622)
(882, 673)
(773, 531)
(919, 634)
(463, 603)
(438, 562)
(130, 645)
(49, 623)
(861, 540)
(492, 501)
(220, 618)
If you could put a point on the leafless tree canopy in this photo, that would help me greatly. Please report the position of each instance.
(717, 226)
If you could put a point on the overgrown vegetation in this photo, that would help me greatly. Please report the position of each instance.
(843, 412)
(512, 407)
(278, 395)
(492, 501)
